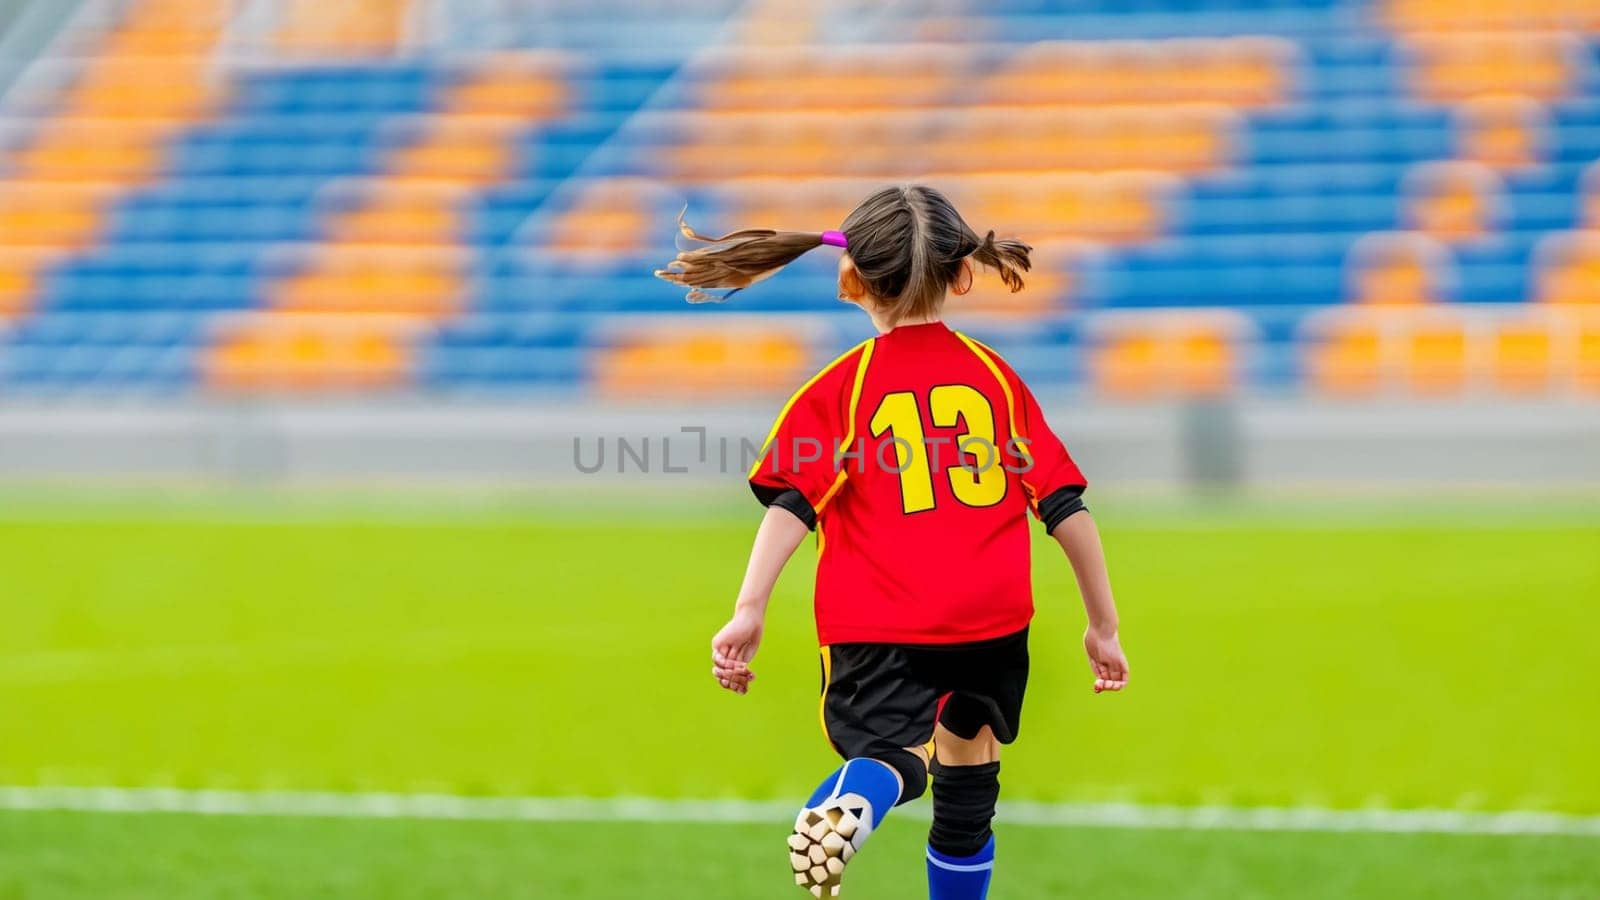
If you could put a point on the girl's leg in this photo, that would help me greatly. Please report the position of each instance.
(966, 785)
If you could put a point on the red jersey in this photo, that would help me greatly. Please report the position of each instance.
(921, 452)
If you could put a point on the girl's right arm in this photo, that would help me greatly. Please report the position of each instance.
(736, 644)
(1079, 537)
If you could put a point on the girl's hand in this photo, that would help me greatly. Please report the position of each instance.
(1106, 659)
(733, 648)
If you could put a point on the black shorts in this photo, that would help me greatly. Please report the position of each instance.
(882, 697)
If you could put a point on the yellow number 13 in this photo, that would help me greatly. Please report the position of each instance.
(984, 484)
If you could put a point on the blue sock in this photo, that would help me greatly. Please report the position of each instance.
(874, 782)
(958, 877)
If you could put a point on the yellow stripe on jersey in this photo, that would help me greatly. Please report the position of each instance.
(783, 413)
(822, 705)
(850, 427)
(988, 356)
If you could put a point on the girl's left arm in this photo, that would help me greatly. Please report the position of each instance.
(735, 645)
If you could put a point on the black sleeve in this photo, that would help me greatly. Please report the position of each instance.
(789, 499)
(1059, 505)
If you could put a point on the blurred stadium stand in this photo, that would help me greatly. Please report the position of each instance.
(267, 196)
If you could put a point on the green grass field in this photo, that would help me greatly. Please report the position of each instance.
(1339, 654)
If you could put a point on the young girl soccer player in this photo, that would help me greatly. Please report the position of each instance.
(916, 457)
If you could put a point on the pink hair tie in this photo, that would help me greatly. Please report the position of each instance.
(835, 238)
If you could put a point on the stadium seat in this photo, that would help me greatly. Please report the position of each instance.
(812, 79)
(458, 149)
(1454, 201)
(1346, 359)
(612, 215)
(44, 213)
(1164, 354)
(785, 204)
(410, 281)
(1523, 356)
(527, 88)
(1181, 139)
(1586, 367)
(1492, 15)
(1113, 206)
(399, 211)
(1503, 130)
(287, 353)
(1568, 268)
(1437, 357)
(312, 27)
(19, 278)
(1452, 68)
(1399, 269)
(1245, 71)
(702, 361)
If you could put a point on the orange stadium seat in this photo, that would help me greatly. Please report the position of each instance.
(147, 41)
(612, 215)
(16, 282)
(1523, 358)
(527, 89)
(1133, 366)
(1568, 268)
(1248, 71)
(1162, 354)
(1492, 15)
(1347, 360)
(776, 23)
(1449, 68)
(1399, 268)
(93, 150)
(144, 88)
(167, 28)
(1129, 366)
(1181, 139)
(1237, 71)
(275, 352)
(1586, 369)
(50, 214)
(789, 204)
(355, 279)
(458, 148)
(610, 229)
(1503, 131)
(1438, 357)
(1112, 206)
(349, 27)
(723, 361)
(393, 211)
(732, 145)
(1453, 200)
(885, 78)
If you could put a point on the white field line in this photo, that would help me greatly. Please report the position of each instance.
(644, 809)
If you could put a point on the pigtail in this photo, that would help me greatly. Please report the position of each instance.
(733, 261)
(1008, 257)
